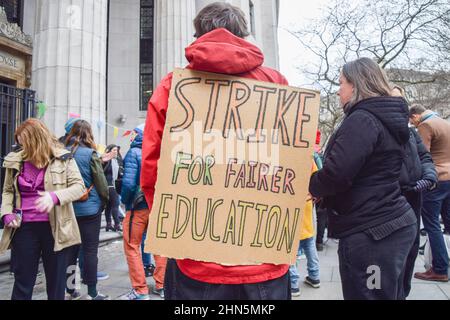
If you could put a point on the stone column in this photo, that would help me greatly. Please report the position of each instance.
(174, 31)
(69, 62)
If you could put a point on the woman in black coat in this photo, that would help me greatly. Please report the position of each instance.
(359, 184)
(113, 168)
(418, 174)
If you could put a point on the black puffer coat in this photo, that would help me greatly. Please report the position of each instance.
(360, 178)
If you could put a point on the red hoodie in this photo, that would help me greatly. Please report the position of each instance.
(218, 51)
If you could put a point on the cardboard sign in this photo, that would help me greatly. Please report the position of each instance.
(233, 176)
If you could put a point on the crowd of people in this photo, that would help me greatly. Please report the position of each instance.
(376, 179)
(54, 194)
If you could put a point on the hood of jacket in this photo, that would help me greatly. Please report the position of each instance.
(220, 51)
(137, 142)
(392, 113)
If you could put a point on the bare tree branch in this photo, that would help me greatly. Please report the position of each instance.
(409, 38)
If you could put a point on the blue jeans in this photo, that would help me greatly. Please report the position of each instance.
(146, 257)
(308, 246)
(437, 202)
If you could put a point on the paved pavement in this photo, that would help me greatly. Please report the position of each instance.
(330, 288)
(112, 261)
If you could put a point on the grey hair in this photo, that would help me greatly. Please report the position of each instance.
(416, 109)
(221, 15)
(368, 79)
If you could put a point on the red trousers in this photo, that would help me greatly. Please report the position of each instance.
(134, 227)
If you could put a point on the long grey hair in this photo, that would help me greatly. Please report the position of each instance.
(368, 79)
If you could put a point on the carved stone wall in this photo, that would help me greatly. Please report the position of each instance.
(12, 30)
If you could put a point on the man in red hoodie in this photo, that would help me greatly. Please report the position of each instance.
(220, 48)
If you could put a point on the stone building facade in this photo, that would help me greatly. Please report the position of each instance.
(101, 59)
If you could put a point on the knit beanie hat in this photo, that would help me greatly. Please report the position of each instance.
(69, 124)
(140, 129)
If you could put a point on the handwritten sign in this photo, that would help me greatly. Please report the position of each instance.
(233, 175)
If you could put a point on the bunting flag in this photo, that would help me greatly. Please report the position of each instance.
(100, 124)
(127, 133)
(42, 108)
(74, 115)
(101, 148)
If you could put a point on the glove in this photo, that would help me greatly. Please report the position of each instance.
(423, 185)
(45, 203)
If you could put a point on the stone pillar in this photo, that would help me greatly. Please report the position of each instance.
(200, 4)
(69, 62)
(269, 32)
(174, 31)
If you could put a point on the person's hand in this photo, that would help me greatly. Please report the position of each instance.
(313, 199)
(316, 200)
(13, 224)
(45, 202)
(107, 156)
(423, 185)
(10, 221)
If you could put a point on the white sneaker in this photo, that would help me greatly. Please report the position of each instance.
(159, 292)
(133, 295)
(98, 297)
(295, 292)
(76, 295)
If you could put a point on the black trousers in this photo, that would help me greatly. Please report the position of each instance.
(112, 208)
(11, 262)
(90, 234)
(415, 201)
(31, 242)
(374, 269)
(177, 286)
(322, 222)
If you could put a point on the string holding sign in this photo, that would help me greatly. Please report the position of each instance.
(42, 109)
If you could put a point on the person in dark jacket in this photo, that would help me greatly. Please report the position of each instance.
(359, 184)
(136, 219)
(88, 213)
(113, 168)
(435, 134)
(418, 174)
